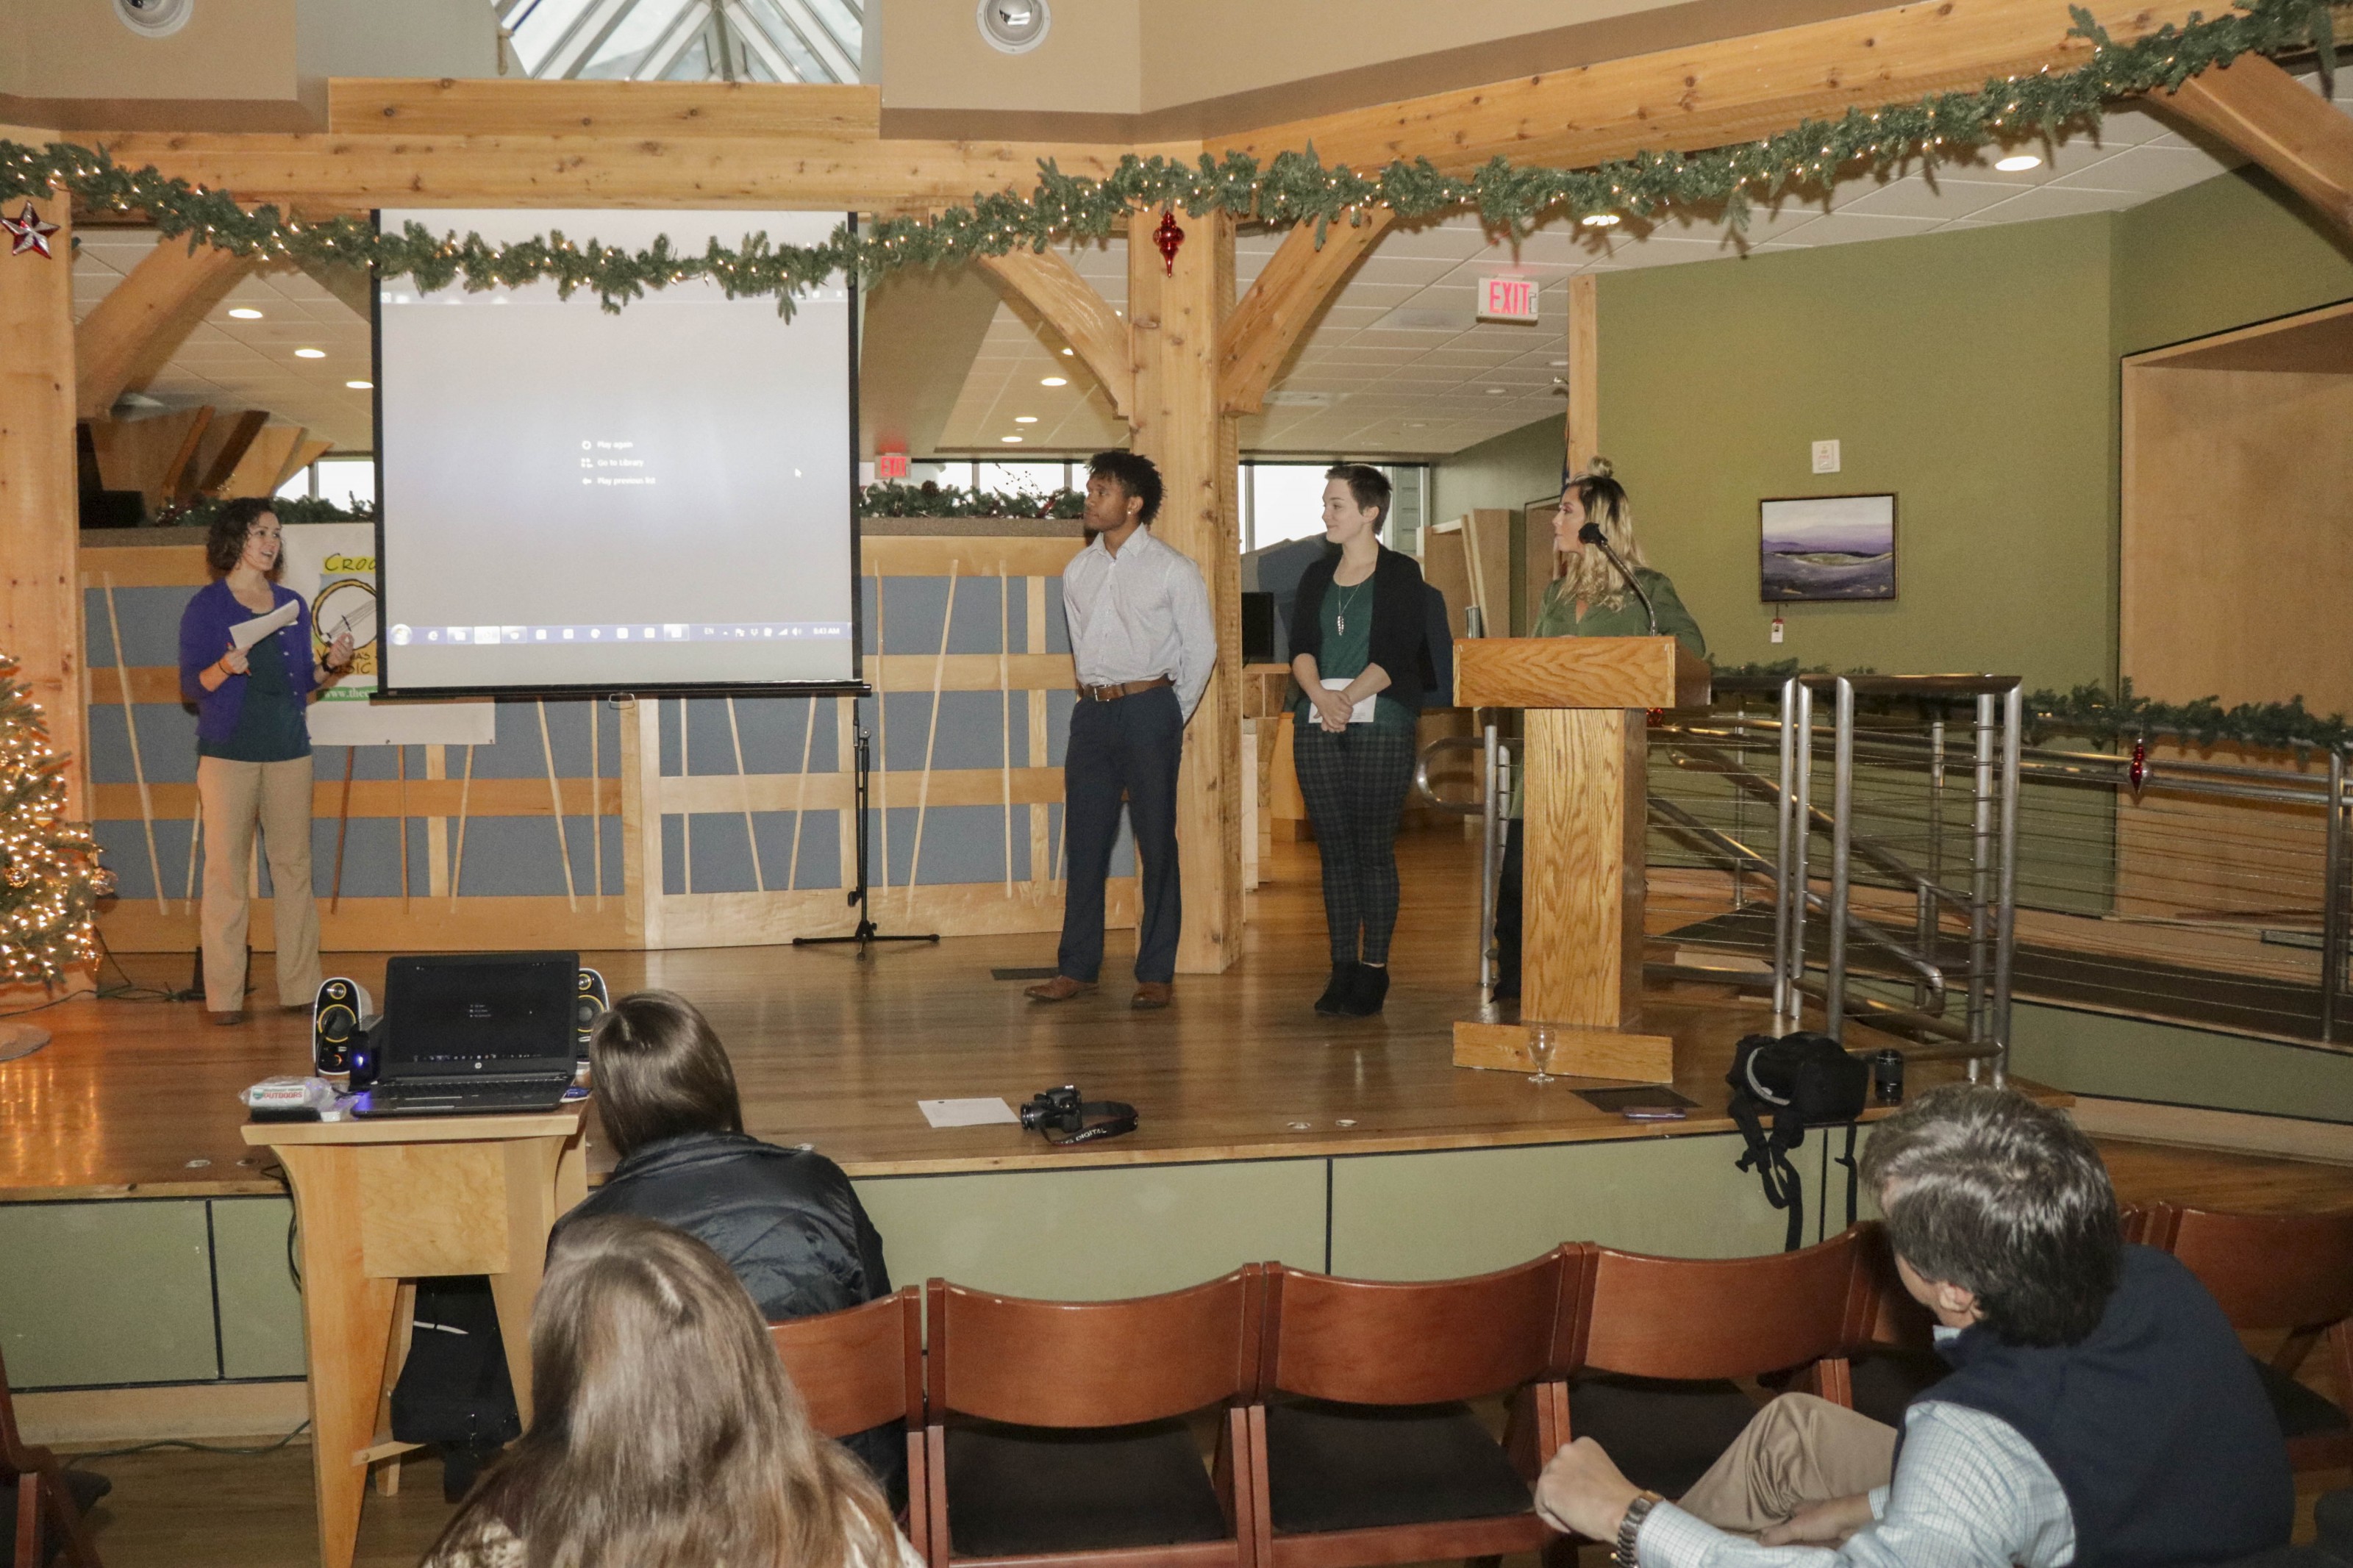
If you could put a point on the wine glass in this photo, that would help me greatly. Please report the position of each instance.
(1542, 1039)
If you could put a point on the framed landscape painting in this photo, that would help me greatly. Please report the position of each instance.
(1840, 549)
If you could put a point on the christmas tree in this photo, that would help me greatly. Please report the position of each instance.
(49, 874)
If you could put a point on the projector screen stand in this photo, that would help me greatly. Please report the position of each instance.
(866, 931)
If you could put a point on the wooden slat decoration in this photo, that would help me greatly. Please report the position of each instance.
(932, 555)
(444, 107)
(380, 797)
(147, 566)
(708, 794)
(891, 672)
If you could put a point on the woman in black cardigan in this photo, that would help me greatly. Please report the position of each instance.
(1362, 662)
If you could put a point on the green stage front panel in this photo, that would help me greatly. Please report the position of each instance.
(260, 1311)
(119, 1291)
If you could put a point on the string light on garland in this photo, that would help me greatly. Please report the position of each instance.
(1290, 188)
(50, 879)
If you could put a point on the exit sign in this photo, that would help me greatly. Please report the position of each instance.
(891, 465)
(1508, 299)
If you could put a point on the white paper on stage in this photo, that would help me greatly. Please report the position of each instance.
(987, 1112)
(1362, 713)
(245, 634)
(332, 565)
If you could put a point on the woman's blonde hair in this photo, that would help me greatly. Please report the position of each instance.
(1586, 575)
(665, 1432)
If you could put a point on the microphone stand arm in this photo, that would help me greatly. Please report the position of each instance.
(1591, 534)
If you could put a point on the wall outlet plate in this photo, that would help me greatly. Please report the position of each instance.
(1826, 456)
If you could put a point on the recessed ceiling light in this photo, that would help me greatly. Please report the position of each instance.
(1054, 381)
(1494, 391)
(2018, 163)
(1600, 220)
(1010, 440)
(1557, 363)
(310, 353)
(361, 385)
(1068, 352)
(245, 313)
(1025, 419)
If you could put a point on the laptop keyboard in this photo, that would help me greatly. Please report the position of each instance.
(467, 1095)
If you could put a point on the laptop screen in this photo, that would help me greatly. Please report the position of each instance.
(502, 1009)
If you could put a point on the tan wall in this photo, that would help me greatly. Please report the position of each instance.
(76, 49)
(935, 58)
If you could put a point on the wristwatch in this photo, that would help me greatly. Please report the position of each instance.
(1622, 1550)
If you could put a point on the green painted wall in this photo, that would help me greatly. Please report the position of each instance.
(1508, 471)
(2221, 254)
(2126, 1058)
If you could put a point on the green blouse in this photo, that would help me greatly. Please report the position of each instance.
(1557, 618)
(1346, 652)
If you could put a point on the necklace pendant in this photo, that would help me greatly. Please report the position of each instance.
(1341, 620)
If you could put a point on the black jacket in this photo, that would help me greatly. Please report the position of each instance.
(786, 1220)
(1400, 622)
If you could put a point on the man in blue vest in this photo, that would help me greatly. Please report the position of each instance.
(2100, 1412)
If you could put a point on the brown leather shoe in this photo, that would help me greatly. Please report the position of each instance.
(225, 1019)
(1151, 996)
(1061, 989)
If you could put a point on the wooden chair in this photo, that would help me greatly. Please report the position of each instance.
(861, 1369)
(1057, 1432)
(1658, 1341)
(41, 1502)
(1367, 1453)
(2281, 1271)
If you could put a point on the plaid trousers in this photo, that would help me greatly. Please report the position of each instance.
(1354, 784)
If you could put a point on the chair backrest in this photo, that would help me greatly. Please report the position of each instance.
(1361, 1342)
(1691, 1319)
(858, 1368)
(2269, 1271)
(1092, 1363)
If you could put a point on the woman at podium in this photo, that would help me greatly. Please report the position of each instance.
(253, 750)
(1590, 597)
(1360, 653)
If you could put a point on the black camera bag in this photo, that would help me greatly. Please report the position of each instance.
(454, 1389)
(1800, 1080)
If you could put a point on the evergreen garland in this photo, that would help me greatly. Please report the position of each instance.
(1290, 188)
(932, 499)
(49, 876)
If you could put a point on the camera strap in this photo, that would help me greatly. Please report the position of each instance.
(1099, 1118)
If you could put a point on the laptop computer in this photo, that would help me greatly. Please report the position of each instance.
(475, 1034)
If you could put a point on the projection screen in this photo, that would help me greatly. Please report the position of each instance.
(573, 499)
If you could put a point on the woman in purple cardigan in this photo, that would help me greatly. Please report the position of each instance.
(253, 751)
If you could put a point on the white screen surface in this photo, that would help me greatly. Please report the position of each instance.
(575, 499)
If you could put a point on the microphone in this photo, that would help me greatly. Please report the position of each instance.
(1591, 534)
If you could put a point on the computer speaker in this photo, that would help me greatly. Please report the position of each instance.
(588, 1007)
(338, 1015)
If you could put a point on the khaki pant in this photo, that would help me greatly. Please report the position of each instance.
(236, 796)
(1798, 1451)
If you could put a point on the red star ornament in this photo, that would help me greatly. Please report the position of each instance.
(29, 232)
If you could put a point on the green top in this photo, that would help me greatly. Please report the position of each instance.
(269, 721)
(1557, 618)
(1346, 652)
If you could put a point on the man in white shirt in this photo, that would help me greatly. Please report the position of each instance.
(1143, 642)
(2100, 1411)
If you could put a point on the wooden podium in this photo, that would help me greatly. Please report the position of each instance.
(382, 1204)
(1582, 772)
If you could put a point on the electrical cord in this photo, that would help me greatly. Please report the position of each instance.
(73, 1459)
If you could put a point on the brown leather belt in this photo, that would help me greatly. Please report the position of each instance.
(1127, 689)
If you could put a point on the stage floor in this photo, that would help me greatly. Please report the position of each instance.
(139, 1099)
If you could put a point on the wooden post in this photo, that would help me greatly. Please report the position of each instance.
(40, 556)
(1174, 311)
(1584, 369)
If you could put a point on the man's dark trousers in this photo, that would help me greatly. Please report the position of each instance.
(1128, 746)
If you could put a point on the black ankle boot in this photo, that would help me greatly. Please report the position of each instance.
(1370, 989)
(1331, 1003)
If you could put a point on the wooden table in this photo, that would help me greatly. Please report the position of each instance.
(385, 1202)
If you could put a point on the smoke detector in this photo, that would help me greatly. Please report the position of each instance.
(1011, 27)
(154, 18)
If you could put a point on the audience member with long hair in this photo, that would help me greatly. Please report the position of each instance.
(666, 1434)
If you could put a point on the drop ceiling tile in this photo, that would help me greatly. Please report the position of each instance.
(2055, 201)
(1915, 198)
(2147, 171)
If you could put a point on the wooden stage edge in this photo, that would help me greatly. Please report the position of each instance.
(138, 1100)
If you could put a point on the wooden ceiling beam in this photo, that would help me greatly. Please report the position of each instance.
(1047, 282)
(2293, 134)
(123, 342)
(443, 107)
(324, 170)
(1713, 94)
(1257, 338)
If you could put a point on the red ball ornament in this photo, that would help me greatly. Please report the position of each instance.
(2138, 772)
(1167, 237)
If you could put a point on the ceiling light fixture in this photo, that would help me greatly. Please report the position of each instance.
(2018, 163)
(1015, 26)
(1010, 440)
(361, 385)
(1601, 220)
(1557, 363)
(1054, 381)
(1494, 391)
(1025, 419)
(1068, 352)
(310, 353)
(245, 312)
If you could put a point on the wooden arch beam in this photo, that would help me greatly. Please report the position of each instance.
(1047, 282)
(2293, 134)
(122, 343)
(1257, 338)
